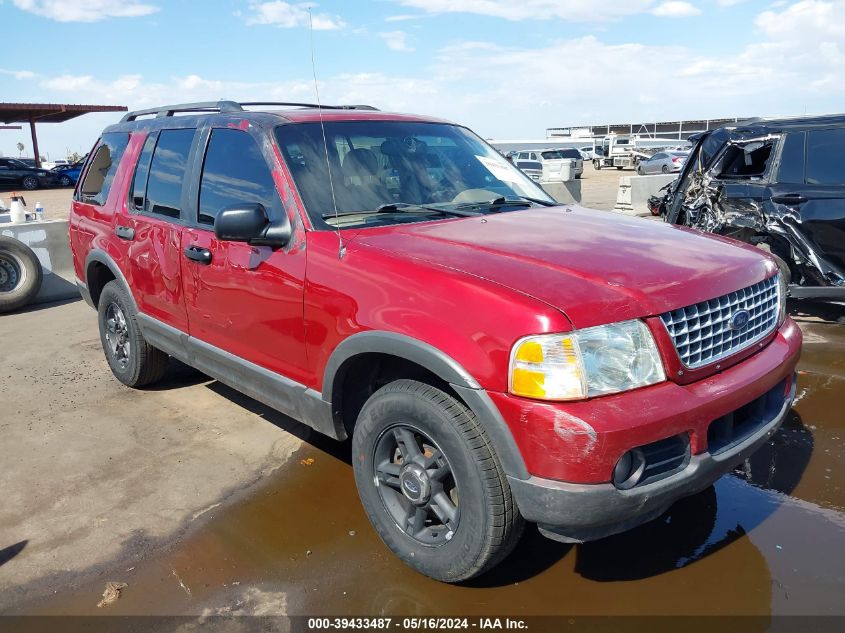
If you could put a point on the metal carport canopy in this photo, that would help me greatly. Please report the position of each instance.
(33, 113)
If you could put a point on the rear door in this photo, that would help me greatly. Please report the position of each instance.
(151, 223)
(7, 177)
(810, 189)
(246, 300)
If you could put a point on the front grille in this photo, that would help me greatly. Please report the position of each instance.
(737, 426)
(703, 332)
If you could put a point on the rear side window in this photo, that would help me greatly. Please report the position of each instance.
(100, 175)
(142, 172)
(792, 159)
(234, 172)
(167, 172)
(826, 157)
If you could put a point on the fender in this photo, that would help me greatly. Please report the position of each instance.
(443, 366)
(100, 256)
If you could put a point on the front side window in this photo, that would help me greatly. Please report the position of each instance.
(235, 172)
(98, 179)
(167, 172)
(386, 172)
(826, 157)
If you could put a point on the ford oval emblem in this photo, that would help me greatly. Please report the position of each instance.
(411, 486)
(739, 320)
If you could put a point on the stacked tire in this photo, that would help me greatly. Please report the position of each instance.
(20, 274)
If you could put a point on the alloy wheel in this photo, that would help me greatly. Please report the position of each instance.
(117, 335)
(416, 485)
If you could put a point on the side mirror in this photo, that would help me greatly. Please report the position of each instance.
(250, 223)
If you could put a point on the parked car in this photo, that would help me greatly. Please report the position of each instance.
(662, 163)
(495, 358)
(67, 175)
(29, 162)
(574, 154)
(13, 173)
(588, 152)
(777, 184)
(547, 164)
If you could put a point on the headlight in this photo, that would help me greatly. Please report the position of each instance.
(585, 363)
(782, 292)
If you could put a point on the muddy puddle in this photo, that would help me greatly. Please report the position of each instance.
(768, 539)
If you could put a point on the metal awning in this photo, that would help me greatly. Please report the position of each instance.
(33, 113)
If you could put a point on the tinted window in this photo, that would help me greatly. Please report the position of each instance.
(98, 179)
(552, 155)
(569, 153)
(826, 157)
(234, 172)
(142, 171)
(167, 171)
(792, 159)
(658, 156)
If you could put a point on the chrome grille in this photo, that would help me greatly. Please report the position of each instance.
(702, 332)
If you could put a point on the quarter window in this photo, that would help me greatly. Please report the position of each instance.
(167, 172)
(142, 172)
(826, 157)
(234, 172)
(98, 179)
(792, 159)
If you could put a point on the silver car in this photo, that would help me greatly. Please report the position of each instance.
(662, 163)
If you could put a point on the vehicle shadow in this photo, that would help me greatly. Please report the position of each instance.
(8, 553)
(809, 309)
(701, 525)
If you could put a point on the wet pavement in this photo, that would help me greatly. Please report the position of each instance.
(768, 539)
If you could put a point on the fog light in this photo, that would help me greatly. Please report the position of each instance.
(629, 469)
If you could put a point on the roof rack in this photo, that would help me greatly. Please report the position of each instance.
(229, 106)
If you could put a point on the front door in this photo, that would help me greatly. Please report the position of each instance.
(246, 300)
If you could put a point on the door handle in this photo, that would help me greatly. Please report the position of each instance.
(198, 254)
(789, 198)
(124, 232)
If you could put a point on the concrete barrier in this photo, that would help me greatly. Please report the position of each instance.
(568, 192)
(634, 192)
(49, 241)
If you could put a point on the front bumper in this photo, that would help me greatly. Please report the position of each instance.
(586, 512)
(570, 449)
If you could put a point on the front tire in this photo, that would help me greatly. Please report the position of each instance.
(65, 181)
(132, 360)
(29, 183)
(431, 484)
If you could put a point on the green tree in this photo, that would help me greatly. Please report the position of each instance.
(20, 149)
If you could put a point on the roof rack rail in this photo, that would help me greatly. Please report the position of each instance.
(229, 106)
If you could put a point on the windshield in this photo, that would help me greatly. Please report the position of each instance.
(384, 172)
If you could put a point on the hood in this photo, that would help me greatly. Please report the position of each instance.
(596, 267)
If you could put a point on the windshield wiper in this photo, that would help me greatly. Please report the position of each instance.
(494, 203)
(406, 206)
(401, 207)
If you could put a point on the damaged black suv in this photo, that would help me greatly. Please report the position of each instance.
(778, 184)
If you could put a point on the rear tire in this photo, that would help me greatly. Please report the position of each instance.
(65, 181)
(132, 360)
(420, 455)
(665, 169)
(20, 274)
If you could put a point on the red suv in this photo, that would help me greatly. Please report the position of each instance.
(495, 357)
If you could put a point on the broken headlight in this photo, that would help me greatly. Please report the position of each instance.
(590, 362)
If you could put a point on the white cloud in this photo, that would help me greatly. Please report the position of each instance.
(85, 10)
(17, 74)
(675, 9)
(396, 41)
(572, 10)
(796, 60)
(288, 15)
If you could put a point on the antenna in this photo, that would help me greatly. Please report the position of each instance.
(341, 249)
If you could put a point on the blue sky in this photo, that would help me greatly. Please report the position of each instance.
(506, 68)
